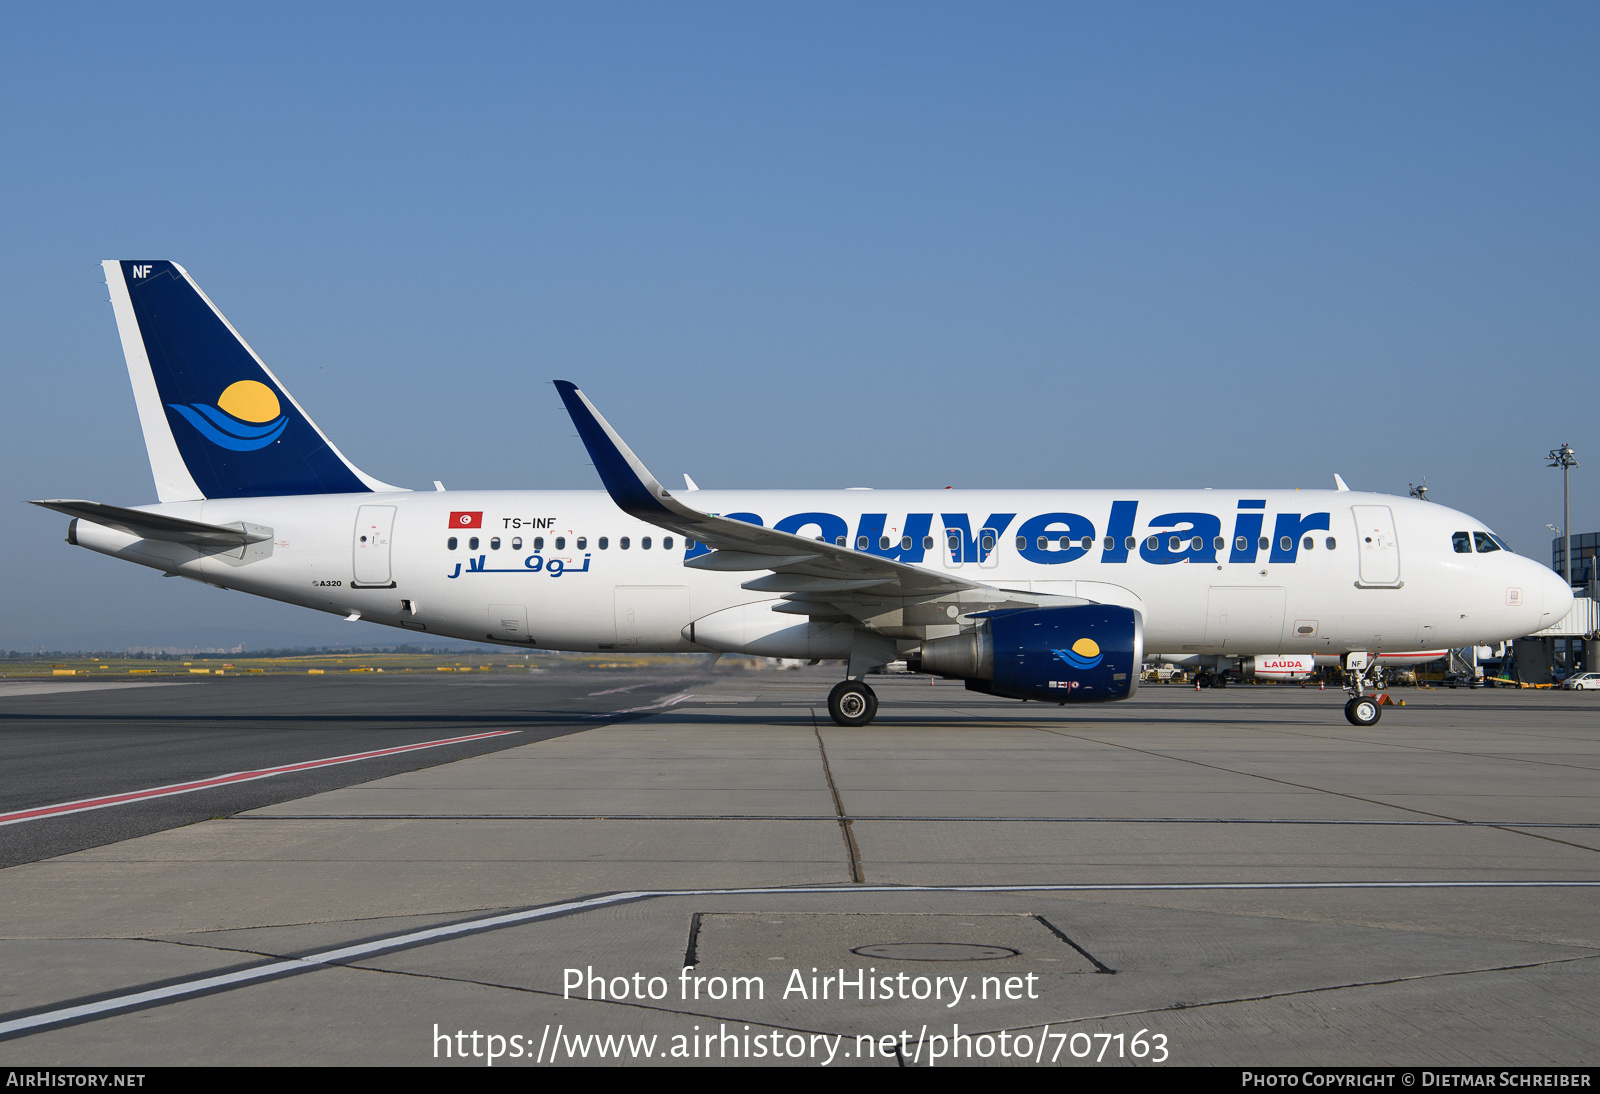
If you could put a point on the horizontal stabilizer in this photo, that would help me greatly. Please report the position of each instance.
(136, 522)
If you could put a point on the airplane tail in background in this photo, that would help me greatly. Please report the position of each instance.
(217, 423)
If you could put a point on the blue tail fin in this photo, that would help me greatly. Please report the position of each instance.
(216, 422)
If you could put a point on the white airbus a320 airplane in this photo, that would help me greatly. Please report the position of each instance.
(1050, 595)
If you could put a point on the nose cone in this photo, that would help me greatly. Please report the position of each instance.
(1557, 596)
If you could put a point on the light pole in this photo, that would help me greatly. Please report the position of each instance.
(1566, 459)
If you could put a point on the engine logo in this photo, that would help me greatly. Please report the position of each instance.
(1084, 654)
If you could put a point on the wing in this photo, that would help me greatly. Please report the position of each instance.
(820, 579)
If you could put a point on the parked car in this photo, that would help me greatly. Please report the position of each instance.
(1584, 681)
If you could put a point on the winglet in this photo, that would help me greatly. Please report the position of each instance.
(1339, 484)
(626, 478)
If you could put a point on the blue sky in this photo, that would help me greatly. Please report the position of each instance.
(809, 245)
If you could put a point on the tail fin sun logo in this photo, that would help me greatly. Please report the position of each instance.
(1084, 654)
(247, 417)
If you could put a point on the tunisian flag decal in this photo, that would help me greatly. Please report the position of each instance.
(466, 520)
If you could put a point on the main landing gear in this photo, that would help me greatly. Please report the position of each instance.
(851, 703)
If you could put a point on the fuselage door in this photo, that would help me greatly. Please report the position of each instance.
(1245, 618)
(508, 621)
(1377, 544)
(374, 526)
(652, 615)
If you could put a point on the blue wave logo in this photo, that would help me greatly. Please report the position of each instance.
(246, 418)
(1084, 654)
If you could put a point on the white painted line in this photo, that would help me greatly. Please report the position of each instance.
(434, 934)
(61, 687)
(83, 805)
(659, 704)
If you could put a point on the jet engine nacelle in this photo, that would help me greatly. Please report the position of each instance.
(1086, 653)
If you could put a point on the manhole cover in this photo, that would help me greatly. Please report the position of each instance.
(833, 940)
(935, 951)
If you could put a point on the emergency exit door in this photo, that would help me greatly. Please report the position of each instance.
(1377, 545)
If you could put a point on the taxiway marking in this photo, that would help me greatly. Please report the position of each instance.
(82, 805)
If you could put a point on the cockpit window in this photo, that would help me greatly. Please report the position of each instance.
(1504, 546)
(1462, 542)
(1485, 542)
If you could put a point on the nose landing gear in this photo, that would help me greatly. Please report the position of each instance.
(1363, 710)
(852, 703)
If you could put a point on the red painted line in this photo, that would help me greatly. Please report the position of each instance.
(85, 804)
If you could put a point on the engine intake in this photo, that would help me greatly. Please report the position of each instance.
(1086, 653)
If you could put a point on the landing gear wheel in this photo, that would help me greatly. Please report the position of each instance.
(1363, 711)
(1203, 680)
(1220, 680)
(851, 703)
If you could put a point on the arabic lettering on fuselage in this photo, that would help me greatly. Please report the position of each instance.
(533, 564)
(1051, 539)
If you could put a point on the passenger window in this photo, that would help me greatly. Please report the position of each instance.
(1332, 543)
(1198, 543)
(583, 543)
(905, 543)
(1285, 543)
(1462, 542)
(666, 543)
(451, 543)
(538, 543)
(516, 544)
(561, 543)
(1111, 543)
(1218, 543)
(644, 544)
(472, 544)
(838, 541)
(1308, 543)
(1173, 543)
(494, 544)
(1086, 542)
(1044, 542)
(623, 543)
(605, 541)
(987, 543)
(1263, 543)
(1153, 543)
(1241, 544)
(927, 543)
(883, 543)
(1485, 542)
(861, 543)
(953, 543)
